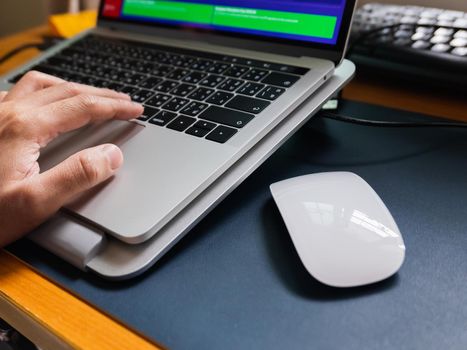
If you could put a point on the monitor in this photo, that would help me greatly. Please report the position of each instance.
(298, 21)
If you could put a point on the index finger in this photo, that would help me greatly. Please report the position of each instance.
(31, 82)
(77, 111)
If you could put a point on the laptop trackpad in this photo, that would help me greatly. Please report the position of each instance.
(117, 132)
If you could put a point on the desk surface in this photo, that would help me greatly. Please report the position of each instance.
(33, 295)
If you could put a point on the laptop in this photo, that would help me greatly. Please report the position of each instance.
(215, 77)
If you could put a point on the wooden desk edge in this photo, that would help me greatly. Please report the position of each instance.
(65, 319)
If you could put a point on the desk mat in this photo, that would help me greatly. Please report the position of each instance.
(236, 281)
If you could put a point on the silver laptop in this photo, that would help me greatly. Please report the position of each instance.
(216, 77)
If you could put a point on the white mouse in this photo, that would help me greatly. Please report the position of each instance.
(341, 229)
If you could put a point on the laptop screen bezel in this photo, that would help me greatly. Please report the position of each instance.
(333, 52)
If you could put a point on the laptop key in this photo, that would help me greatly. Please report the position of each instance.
(226, 116)
(181, 123)
(236, 71)
(250, 89)
(271, 93)
(247, 104)
(279, 79)
(161, 71)
(166, 86)
(218, 68)
(194, 78)
(196, 131)
(220, 98)
(163, 118)
(150, 83)
(194, 108)
(142, 95)
(183, 90)
(256, 74)
(158, 100)
(202, 124)
(148, 113)
(175, 104)
(178, 74)
(201, 65)
(130, 90)
(201, 94)
(230, 85)
(221, 134)
(212, 81)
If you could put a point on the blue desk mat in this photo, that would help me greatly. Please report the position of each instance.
(236, 282)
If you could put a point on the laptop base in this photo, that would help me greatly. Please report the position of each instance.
(93, 250)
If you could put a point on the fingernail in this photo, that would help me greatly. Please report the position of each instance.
(114, 155)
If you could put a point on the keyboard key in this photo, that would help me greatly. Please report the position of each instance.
(201, 65)
(198, 132)
(226, 116)
(142, 95)
(178, 74)
(247, 104)
(150, 83)
(212, 81)
(130, 90)
(148, 113)
(194, 78)
(166, 86)
(175, 104)
(158, 100)
(271, 93)
(250, 89)
(194, 108)
(114, 86)
(221, 134)
(202, 124)
(201, 94)
(230, 85)
(220, 98)
(132, 79)
(181, 123)
(163, 118)
(218, 68)
(161, 71)
(183, 90)
(236, 71)
(256, 74)
(279, 79)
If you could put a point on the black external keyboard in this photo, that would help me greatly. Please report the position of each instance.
(203, 94)
(426, 42)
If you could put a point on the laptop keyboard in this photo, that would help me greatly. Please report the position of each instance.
(205, 95)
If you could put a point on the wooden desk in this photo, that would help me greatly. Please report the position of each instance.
(54, 318)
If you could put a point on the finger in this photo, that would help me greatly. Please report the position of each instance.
(32, 81)
(82, 171)
(65, 90)
(75, 112)
(3, 95)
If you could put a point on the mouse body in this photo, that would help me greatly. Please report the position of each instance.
(343, 233)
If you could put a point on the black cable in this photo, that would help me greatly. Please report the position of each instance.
(17, 50)
(390, 124)
(48, 41)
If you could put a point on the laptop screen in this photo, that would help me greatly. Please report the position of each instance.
(312, 21)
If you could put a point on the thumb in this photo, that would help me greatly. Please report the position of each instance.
(78, 173)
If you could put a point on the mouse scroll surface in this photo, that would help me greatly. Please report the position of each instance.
(344, 234)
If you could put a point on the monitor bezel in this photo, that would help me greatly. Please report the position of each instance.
(334, 52)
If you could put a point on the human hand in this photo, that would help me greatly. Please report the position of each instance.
(34, 112)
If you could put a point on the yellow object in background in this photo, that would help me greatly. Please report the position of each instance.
(70, 24)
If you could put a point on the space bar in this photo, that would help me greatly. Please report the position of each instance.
(226, 116)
